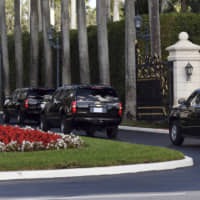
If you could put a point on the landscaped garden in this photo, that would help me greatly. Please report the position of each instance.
(52, 151)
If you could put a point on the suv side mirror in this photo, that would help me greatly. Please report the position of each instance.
(182, 101)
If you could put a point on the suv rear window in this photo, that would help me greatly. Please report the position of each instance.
(40, 92)
(96, 94)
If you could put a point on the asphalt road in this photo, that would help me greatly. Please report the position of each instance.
(174, 184)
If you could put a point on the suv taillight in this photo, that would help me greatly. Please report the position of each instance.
(120, 109)
(73, 107)
(26, 104)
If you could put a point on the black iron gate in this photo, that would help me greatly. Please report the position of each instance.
(154, 88)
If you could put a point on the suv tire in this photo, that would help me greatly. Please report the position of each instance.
(175, 134)
(112, 132)
(43, 123)
(64, 127)
(20, 118)
(90, 132)
(5, 117)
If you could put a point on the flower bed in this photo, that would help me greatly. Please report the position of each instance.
(28, 139)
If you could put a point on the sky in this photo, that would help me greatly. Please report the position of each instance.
(92, 3)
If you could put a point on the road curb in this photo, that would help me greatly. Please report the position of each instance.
(151, 130)
(96, 171)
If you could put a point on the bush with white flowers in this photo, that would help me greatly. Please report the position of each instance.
(29, 139)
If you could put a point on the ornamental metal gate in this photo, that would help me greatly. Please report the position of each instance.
(154, 88)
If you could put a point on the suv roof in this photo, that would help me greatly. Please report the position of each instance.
(84, 86)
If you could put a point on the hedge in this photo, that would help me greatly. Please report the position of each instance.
(171, 26)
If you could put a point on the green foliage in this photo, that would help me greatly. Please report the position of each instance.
(171, 25)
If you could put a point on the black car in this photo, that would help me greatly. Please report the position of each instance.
(85, 107)
(24, 103)
(184, 120)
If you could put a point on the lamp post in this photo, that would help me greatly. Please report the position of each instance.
(145, 36)
(55, 45)
(188, 70)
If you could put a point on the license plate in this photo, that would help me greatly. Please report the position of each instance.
(97, 110)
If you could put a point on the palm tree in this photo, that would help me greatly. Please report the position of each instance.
(66, 67)
(116, 10)
(102, 39)
(154, 20)
(164, 5)
(130, 61)
(73, 15)
(108, 7)
(4, 48)
(18, 46)
(34, 29)
(83, 42)
(47, 48)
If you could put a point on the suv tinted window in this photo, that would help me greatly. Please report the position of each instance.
(96, 94)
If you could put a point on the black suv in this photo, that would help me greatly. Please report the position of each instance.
(24, 103)
(184, 120)
(85, 107)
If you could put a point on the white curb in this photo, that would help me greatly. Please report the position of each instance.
(151, 130)
(96, 171)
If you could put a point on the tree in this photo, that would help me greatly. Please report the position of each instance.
(66, 67)
(73, 15)
(154, 20)
(83, 43)
(116, 5)
(4, 48)
(18, 46)
(164, 5)
(183, 6)
(108, 7)
(46, 44)
(34, 29)
(130, 61)
(102, 39)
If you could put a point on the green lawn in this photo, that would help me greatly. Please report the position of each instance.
(96, 152)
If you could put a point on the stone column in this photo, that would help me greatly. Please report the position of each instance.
(182, 53)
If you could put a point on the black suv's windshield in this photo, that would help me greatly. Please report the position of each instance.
(96, 94)
(40, 92)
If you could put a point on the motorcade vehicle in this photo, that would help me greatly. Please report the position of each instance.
(184, 120)
(24, 103)
(83, 107)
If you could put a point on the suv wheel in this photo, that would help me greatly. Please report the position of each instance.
(64, 126)
(175, 134)
(112, 132)
(5, 117)
(90, 132)
(20, 118)
(43, 124)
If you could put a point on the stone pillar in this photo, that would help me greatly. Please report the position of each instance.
(182, 53)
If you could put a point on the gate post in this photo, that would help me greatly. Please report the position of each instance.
(182, 53)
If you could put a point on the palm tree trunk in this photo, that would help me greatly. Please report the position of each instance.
(18, 46)
(130, 61)
(116, 10)
(4, 48)
(183, 6)
(164, 5)
(108, 7)
(154, 20)
(102, 39)
(73, 15)
(47, 48)
(40, 15)
(66, 66)
(83, 43)
(34, 29)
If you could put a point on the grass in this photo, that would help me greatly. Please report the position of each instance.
(146, 124)
(96, 152)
